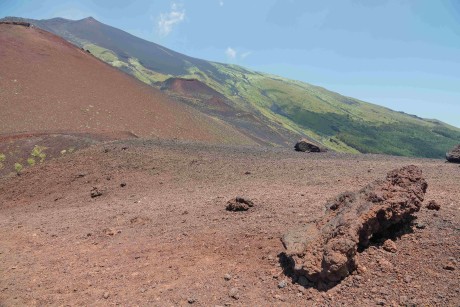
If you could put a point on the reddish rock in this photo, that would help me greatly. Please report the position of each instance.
(325, 252)
(390, 246)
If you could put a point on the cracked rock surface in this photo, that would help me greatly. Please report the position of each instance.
(324, 251)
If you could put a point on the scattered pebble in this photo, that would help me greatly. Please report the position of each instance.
(390, 246)
(106, 295)
(233, 293)
(433, 205)
(227, 277)
(282, 284)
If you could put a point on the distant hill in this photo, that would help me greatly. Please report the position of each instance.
(48, 84)
(270, 109)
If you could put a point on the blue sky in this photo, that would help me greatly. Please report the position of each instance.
(403, 54)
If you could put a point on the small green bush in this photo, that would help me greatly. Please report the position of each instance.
(18, 167)
(31, 161)
(38, 152)
(2, 159)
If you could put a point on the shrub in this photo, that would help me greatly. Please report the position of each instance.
(38, 152)
(18, 167)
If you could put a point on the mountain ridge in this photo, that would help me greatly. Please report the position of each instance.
(281, 109)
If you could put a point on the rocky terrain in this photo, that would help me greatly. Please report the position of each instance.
(144, 222)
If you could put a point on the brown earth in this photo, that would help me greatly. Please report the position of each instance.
(19, 148)
(48, 84)
(157, 231)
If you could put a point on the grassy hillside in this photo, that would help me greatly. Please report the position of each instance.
(281, 106)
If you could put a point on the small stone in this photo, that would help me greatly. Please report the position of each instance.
(380, 301)
(106, 295)
(227, 277)
(449, 267)
(390, 246)
(233, 293)
(191, 300)
(123, 184)
(95, 192)
(282, 284)
(239, 204)
(433, 205)
(420, 225)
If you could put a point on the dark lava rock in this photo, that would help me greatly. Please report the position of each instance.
(239, 204)
(95, 192)
(307, 146)
(433, 205)
(453, 156)
(325, 252)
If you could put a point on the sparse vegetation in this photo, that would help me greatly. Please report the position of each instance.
(38, 152)
(354, 125)
(31, 161)
(2, 159)
(18, 167)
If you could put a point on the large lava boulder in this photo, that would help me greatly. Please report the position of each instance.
(325, 251)
(454, 155)
(307, 146)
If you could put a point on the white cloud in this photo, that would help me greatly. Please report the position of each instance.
(231, 53)
(169, 20)
(221, 2)
(245, 54)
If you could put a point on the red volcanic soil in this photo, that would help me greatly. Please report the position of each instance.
(192, 88)
(142, 222)
(19, 148)
(47, 84)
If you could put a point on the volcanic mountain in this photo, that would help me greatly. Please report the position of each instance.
(269, 108)
(48, 84)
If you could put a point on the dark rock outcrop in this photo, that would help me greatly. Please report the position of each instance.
(16, 23)
(324, 251)
(453, 156)
(433, 205)
(239, 204)
(307, 146)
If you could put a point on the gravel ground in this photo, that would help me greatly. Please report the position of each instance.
(143, 222)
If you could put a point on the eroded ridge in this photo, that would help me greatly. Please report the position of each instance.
(325, 252)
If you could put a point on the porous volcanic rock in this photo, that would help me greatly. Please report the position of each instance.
(239, 204)
(307, 146)
(453, 156)
(433, 205)
(325, 252)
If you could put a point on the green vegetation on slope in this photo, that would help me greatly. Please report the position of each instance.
(341, 123)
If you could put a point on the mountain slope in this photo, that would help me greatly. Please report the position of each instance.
(47, 84)
(270, 108)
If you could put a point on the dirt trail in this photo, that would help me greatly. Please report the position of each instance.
(160, 233)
